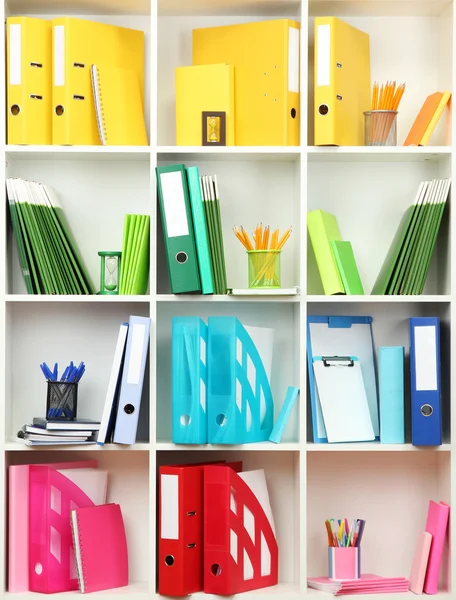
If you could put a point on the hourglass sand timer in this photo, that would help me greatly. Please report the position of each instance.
(109, 272)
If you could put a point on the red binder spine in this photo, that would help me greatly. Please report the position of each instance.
(180, 530)
(227, 543)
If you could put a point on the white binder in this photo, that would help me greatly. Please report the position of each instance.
(132, 380)
(343, 399)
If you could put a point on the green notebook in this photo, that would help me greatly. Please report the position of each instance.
(323, 229)
(134, 270)
(346, 263)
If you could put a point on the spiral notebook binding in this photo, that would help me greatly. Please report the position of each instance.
(99, 109)
(81, 572)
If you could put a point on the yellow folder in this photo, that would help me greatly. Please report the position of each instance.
(200, 89)
(342, 83)
(265, 56)
(77, 45)
(28, 81)
(118, 107)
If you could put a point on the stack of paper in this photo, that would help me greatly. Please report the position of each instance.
(367, 584)
(134, 269)
(48, 255)
(407, 263)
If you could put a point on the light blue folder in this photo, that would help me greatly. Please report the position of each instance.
(189, 380)
(391, 392)
(132, 380)
(240, 407)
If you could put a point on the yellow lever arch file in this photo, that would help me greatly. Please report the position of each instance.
(342, 83)
(265, 56)
(77, 45)
(204, 88)
(118, 107)
(28, 81)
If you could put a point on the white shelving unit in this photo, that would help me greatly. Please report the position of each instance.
(367, 188)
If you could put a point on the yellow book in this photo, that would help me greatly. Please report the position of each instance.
(203, 89)
(28, 89)
(118, 107)
(438, 113)
(265, 57)
(342, 83)
(77, 45)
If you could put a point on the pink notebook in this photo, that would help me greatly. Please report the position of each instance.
(420, 561)
(18, 521)
(436, 525)
(100, 547)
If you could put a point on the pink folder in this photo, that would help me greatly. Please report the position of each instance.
(100, 547)
(420, 562)
(18, 521)
(436, 525)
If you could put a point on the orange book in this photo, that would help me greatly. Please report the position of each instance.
(429, 109)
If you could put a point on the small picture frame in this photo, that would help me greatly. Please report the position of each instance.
(214, 128)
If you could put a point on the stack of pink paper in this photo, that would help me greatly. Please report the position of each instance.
(367, 584)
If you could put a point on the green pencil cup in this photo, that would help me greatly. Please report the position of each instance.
(264, 268)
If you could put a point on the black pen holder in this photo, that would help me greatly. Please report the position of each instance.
(62, 401)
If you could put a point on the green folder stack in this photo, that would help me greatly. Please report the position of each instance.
(406, 265)
(134, 270)
(211, 205)
(48, 254)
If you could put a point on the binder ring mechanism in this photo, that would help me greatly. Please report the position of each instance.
(338, 361)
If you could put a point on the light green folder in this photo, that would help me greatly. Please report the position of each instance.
(134, 270)
(346, 263)
(323, 229)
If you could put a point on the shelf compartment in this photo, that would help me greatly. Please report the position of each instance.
(415, 44)
(282, 472)
(283, 318)
(250, 193)
(93, 197)
(357, 485)
(368, 202)
(126, 472)
(391, 328)
(37, 333)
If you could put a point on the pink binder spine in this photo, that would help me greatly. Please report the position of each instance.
(420, 561)
(436, 525)
(51, 554)
(18, 521)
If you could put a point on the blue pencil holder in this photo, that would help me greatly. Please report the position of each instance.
(62, 401)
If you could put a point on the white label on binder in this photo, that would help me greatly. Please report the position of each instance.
(324, 55)
(136, 350)
(15, 57)
(169, 507)
(174, 204)
(293, 59)
(425, 358)
(59, 55)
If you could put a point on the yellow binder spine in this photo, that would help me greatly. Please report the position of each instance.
(325, 102)
(28, 81)
(293, 113)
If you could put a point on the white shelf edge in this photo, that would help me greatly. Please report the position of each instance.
(77, 149)
(40, 298)
(258, 446)
(291, 150)
(384, 154)
(12, 446)
(228, 298)
(133, 591)
(378, 299)
(375, 447)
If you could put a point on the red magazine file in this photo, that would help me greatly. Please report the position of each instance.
(180, 542)
(224, 575)
(52, 566)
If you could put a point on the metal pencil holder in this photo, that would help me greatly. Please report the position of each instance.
(62, 400)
